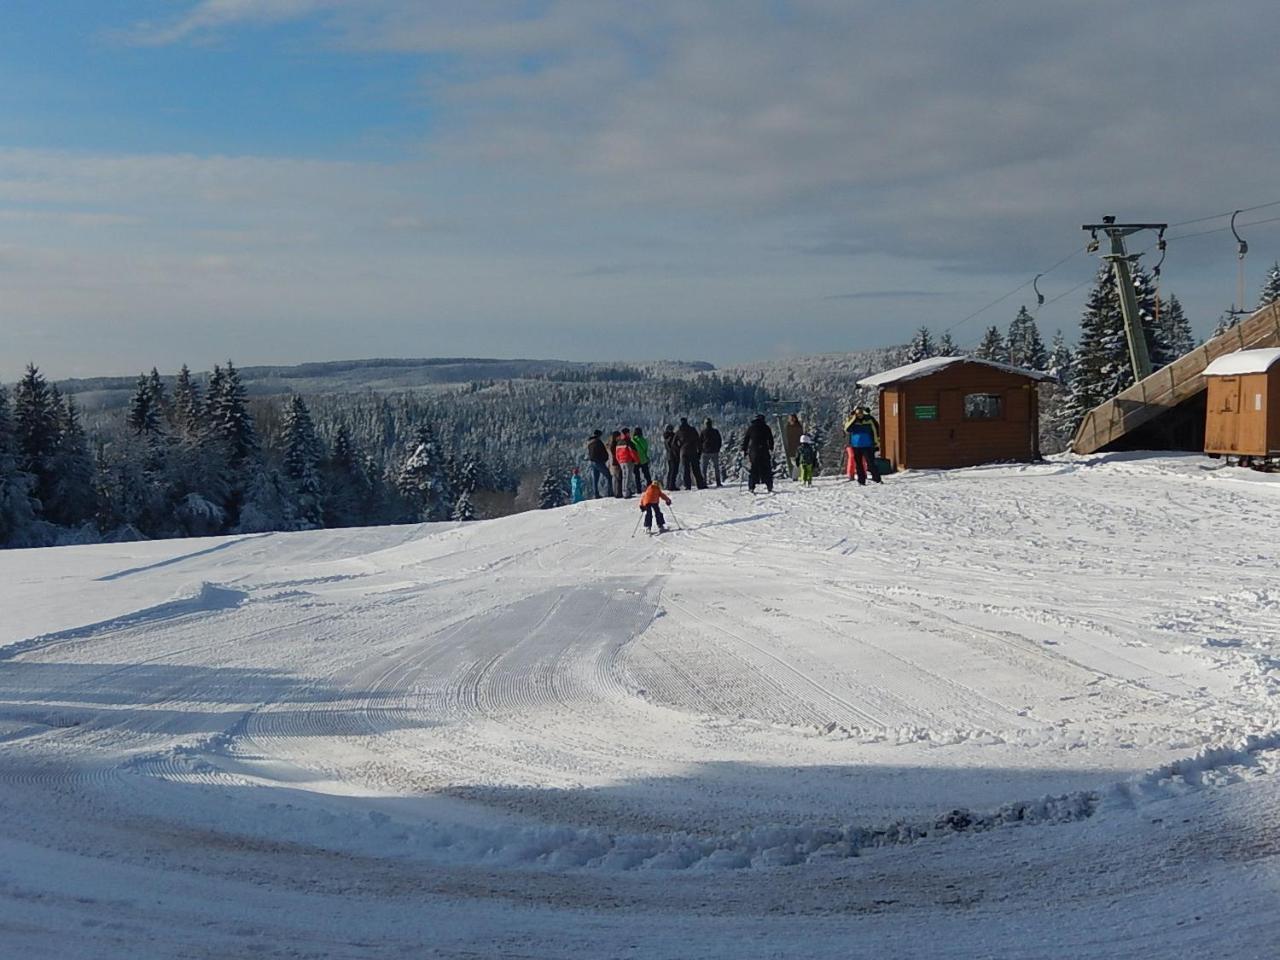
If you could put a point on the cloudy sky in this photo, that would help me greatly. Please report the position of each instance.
(288, 180)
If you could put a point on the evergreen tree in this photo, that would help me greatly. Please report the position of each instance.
(186, 405)
(552, 493)
(1159, 350)
(302, 456)
(346, 484)
(267, 504)
(421, 480)
(992, 347)
(229, 419)
(144, 408)
(1026, 349)
(1227, 320)
(1102, 365)
(35, 429)
(17, 511)
(463, 510)
(1270, 287)
(921, 347)
(1061, 361)
(947, 346)
(72, 497)
(1175, 328)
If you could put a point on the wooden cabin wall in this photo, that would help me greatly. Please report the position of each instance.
(950, 440)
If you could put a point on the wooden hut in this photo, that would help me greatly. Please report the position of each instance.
(957, 412)
(1242, 416)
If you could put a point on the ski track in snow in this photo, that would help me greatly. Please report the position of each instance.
(829, 704)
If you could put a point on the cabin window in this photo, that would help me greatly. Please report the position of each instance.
(983, 406)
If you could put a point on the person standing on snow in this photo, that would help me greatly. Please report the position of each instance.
(711, 444)
(629, 463)
(615, 468)
(792, 431)
(598, 457)
(641, 444)
(690, 445)
(672, 447)
(864, 438)
(649, 504)
(806, 460)
(757, 444)
(576, 493)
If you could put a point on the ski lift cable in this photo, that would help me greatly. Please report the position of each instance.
(1021, 286)
(1227, 213)
(1160, 244)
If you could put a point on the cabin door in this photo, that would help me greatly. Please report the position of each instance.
(1223, 426)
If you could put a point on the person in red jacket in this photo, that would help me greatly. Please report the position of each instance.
(629, 461)
(649, 504)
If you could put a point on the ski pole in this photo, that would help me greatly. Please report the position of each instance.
(679, 525)
(636, 528)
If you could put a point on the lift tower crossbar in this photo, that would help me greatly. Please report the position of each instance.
(1120, 259)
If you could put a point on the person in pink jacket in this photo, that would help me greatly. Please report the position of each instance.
(629, 461)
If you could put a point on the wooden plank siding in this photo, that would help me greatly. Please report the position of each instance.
(1243, 415)
(1171, 385)
(952, 440)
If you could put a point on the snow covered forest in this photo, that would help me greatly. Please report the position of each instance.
(317, 446)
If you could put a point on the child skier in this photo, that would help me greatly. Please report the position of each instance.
(807, 458)
(578, 494)
(649, 504)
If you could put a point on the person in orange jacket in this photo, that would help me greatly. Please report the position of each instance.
(649, 504)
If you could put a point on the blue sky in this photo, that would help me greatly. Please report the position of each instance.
(289, 180)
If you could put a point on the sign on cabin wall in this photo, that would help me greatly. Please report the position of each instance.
(925, 411)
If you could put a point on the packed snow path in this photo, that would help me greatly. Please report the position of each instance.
(979, 713)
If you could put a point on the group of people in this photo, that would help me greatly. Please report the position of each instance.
(622, 463)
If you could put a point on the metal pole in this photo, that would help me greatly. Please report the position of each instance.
(1133, 329)
(1119, 259)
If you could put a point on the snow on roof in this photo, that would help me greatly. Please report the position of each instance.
(1243, 361)
(922, 368)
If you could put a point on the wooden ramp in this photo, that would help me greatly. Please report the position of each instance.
(1133, 418)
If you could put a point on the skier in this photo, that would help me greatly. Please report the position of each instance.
(864, 437)
(806, 459)
(791, 434)
(641, 444)
(711, 444)
(577, 493)
(649, 504)
(690, 454)
(628, 463)
(672, 446)
(757, 444)
(598, 457)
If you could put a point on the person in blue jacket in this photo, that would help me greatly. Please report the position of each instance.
(575, 487)
(864, 438)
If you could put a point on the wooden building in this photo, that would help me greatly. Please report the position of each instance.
(1242, 416)
(957, 412)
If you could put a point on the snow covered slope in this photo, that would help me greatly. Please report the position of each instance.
(1022, 711)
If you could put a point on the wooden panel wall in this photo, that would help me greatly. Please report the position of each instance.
(953, 441)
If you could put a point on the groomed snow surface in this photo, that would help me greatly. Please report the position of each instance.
(1015, 711)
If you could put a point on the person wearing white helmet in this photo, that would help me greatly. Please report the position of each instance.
(806, 460)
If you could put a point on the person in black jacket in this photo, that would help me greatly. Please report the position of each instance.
(711, 444)
(672, 447)
(598, 457)
(757, 444)
(690, 454)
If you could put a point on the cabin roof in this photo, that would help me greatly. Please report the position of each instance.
(1242, 362)
(922, 368)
